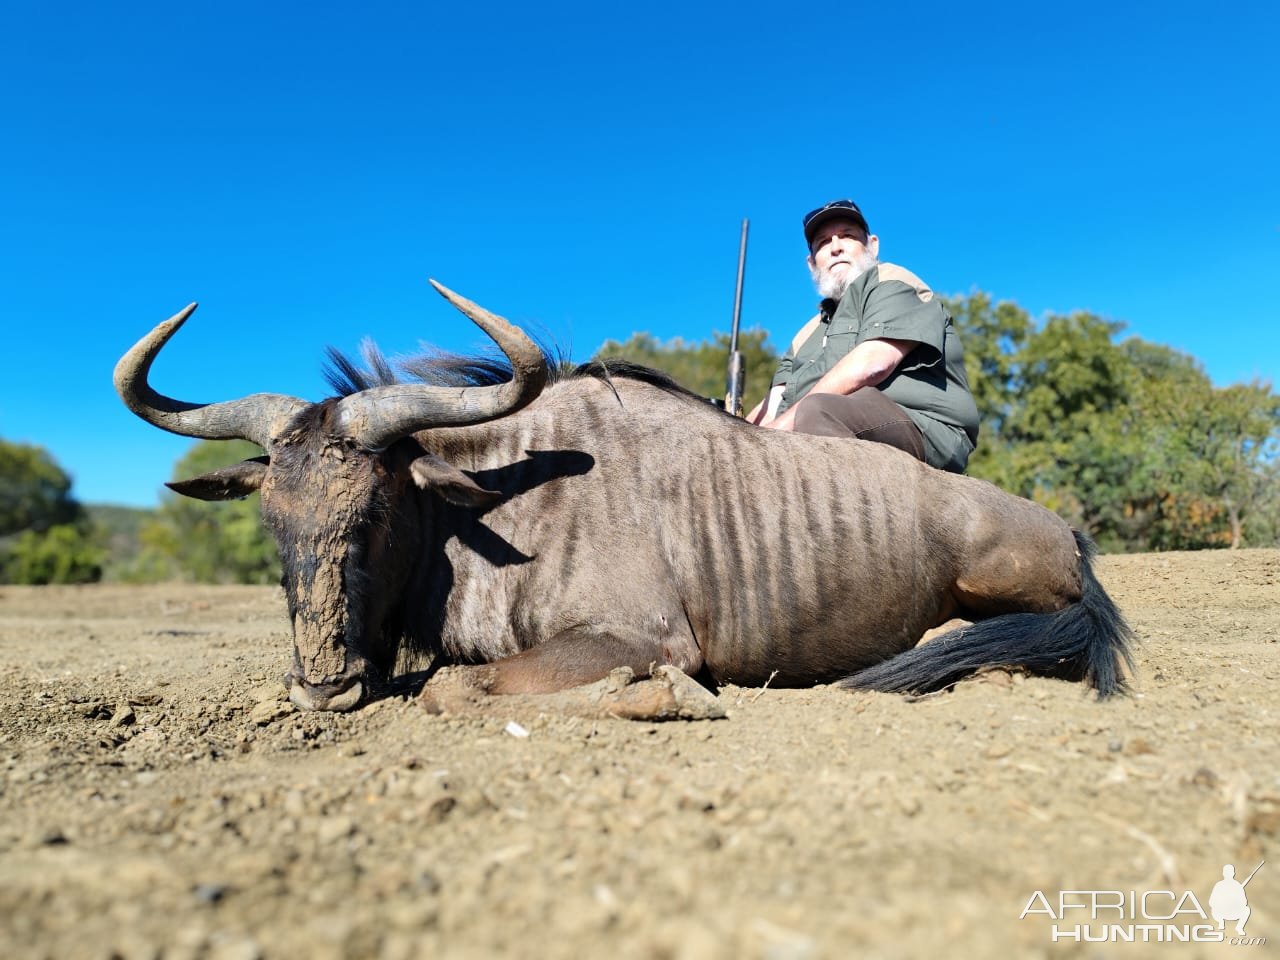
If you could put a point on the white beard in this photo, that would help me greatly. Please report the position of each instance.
(832, 284)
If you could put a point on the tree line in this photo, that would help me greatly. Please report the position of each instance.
(46, 536)
(1126, 439)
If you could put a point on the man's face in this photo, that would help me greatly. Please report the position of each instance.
(840, 251)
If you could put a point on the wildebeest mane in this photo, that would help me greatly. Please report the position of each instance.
(437, 368)
(444, 369)
(610, 368)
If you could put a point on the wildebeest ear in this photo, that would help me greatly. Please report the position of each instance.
(432, 473)
(230, 483)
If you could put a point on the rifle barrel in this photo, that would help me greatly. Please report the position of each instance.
(736, 375)
(1250, 877)
(737, 293)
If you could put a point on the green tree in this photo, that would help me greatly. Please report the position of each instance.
(1240, 433)
(210, 542)
(1130, 442)
(45, 536)
(35, 493)
(1070, 372)
(1263, 526)
(993, 336)
(1212, 448)
(1054, 407)
(65, 553)
(702, 366)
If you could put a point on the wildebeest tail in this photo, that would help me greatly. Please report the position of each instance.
(1085, 641)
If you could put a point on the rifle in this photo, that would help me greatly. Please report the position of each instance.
(1250, 877)
(737, 372)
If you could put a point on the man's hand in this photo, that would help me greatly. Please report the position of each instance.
(759, 414)
(785, 422)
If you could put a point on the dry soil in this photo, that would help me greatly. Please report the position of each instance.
(160, 798)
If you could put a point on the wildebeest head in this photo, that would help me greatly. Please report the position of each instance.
(337, 483)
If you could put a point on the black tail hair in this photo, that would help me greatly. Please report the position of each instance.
(1085, 641)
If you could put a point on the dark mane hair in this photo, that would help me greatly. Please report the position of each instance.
(437, 368)
(440, 368)
(610, 367)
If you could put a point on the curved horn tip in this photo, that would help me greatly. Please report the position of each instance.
(179, 318)
(441, 289)
(466, 306)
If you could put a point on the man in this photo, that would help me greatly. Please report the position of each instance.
(881, 361)
(1228, 900)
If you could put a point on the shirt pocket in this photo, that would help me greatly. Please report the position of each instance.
(842, 325)
(840, 339)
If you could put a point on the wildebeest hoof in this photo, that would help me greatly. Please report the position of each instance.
(670, 694)
(693, 700)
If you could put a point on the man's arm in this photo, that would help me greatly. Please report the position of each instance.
(864, 366)
(764, 409)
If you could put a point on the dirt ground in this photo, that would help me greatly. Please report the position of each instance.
(160, 798)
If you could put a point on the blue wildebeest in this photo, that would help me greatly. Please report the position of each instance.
(547, 527)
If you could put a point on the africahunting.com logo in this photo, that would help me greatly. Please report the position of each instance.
(1148, 916)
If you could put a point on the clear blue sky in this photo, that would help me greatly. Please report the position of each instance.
(301, 169)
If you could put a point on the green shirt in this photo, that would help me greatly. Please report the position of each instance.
(930, 384)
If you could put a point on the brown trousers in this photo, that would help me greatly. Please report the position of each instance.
(866, 414)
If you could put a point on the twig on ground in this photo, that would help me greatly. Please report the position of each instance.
(1168, 865)
(760, 692)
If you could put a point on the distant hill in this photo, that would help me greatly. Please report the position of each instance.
(120, 528)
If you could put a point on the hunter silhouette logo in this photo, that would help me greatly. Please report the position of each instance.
(1228, 900)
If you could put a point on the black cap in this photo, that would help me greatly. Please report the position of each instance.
(835, 210)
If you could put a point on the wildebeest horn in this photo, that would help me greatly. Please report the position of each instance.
(254, 418)
(379, 416)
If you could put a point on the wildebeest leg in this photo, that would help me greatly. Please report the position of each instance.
(1054, 634)
(580, 655)
(587, 652)
(669, 694)
(954, 623)
(1015, 557)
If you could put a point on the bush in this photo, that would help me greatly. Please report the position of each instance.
(208, 542)
(62, 554)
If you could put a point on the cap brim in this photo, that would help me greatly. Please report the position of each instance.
(835, 213)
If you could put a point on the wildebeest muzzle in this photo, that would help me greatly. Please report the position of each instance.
(345, 692)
